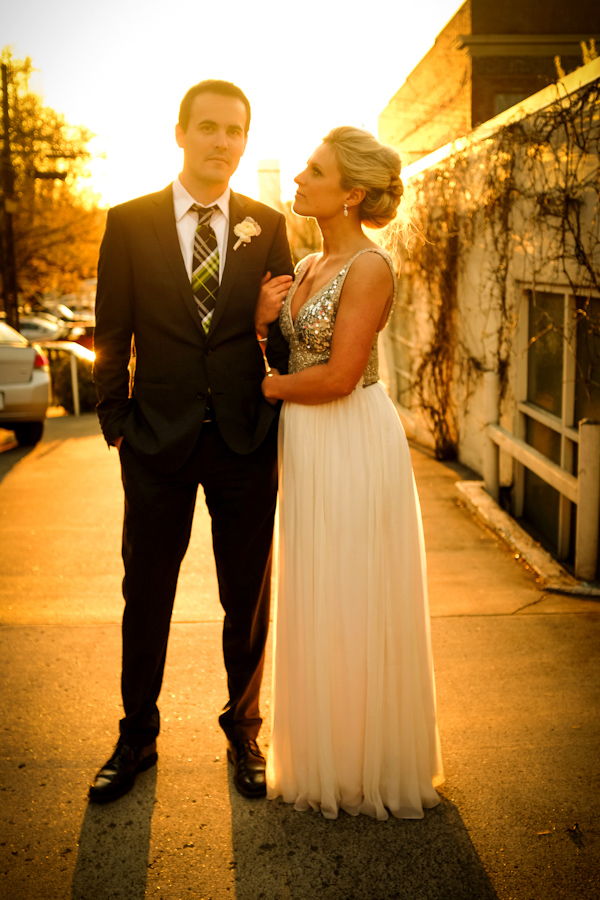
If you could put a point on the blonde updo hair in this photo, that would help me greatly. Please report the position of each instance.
(365, 163)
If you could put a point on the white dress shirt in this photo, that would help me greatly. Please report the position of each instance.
(187, 220)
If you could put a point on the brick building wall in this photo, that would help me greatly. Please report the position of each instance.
(487, 58)
(434, 104)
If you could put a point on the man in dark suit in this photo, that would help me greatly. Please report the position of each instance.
(179, 277)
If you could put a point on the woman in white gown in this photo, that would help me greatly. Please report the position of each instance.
(354, 719)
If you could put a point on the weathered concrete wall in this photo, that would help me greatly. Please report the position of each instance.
(480, 317)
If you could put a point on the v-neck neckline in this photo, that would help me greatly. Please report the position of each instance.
(327, 283)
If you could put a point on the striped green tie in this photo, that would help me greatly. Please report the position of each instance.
(205, 265)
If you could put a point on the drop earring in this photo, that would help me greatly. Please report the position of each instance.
(345, 209)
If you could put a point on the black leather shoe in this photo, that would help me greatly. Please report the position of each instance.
(117, 776)
(249, 764)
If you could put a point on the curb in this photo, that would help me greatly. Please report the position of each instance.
(557, 579)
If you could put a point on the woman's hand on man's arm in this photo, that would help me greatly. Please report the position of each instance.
(270, 300)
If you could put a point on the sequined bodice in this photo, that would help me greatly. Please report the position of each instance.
(311, 334)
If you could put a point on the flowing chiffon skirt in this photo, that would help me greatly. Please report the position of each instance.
(354, 717)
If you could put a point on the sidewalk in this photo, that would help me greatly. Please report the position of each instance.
(518, 674)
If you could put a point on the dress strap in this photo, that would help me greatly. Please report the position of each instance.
(381, 252)
(303, 263)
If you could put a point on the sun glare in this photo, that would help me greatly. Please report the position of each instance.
(299, 66)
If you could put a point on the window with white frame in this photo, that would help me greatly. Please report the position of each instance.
(558, 385)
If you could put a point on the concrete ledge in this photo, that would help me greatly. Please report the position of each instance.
(556, 578)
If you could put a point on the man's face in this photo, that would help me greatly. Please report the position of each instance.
(214, 140)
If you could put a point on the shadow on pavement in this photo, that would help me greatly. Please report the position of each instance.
(10, 452)
(114, 846)
(65, 427)
(464, 472)
(56, 430)
(281, 854)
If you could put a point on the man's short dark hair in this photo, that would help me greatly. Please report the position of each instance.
(211, 86)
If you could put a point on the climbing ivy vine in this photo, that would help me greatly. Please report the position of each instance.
(527, 200)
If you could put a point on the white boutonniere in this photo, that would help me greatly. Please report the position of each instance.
(245, 231)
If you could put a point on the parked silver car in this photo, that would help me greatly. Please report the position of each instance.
(24, 386)
(44, 327)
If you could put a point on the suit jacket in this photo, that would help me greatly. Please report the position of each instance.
(144, 295)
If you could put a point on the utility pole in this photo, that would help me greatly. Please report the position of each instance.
(7, 175)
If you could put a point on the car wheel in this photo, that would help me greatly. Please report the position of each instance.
(28, 433)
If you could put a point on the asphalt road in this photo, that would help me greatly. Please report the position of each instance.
(518, 675)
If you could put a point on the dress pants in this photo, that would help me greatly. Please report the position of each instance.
(241, 494)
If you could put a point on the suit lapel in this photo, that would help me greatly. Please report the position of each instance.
(166, 229)
(233, 260)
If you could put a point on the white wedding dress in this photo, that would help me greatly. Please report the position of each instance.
(354, 718)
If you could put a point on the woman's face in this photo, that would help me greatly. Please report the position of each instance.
(320, 193)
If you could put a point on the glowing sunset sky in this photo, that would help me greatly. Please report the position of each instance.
(121, 67)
